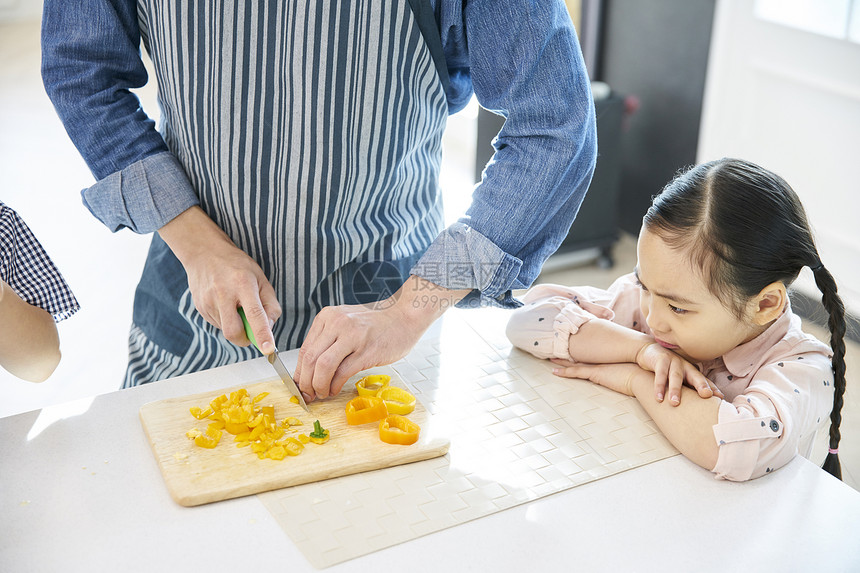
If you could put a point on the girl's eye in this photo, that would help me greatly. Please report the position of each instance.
(677, 310)
(640, 285)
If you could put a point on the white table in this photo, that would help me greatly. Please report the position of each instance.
(80, 491)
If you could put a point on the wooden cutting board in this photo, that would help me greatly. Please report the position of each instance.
(196, 475)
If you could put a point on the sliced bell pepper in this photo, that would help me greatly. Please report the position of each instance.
(252, 425)
(209, 439)
(397, 400)
(235, 428)
(216, 403)
(397, 429)
(293, 446)
(365, 409)
(370, 385)
(237, 395)
(200, 413)
(276, 452)
(256, 432)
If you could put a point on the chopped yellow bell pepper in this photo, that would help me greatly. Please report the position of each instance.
(365, 409)
(257, 432)
(397, 400)
(293, 446)
(209, 439)
(277, 452)
(200, 413)
(398, 430)
(251, 424)
(215, 404)
(370, 385)
(235, 428)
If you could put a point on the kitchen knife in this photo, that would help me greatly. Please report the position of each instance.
(275, 361)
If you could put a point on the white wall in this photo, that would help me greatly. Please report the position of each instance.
(790, 100)
(18, 10)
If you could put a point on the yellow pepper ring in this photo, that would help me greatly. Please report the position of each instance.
(397, 400)
(370, 385)
(365, 409)
(398, 430)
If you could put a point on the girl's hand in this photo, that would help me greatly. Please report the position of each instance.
(618, 377)
(671, 369)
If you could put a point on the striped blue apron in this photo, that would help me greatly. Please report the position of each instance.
(311, 131)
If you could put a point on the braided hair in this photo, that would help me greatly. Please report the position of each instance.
(746, 228)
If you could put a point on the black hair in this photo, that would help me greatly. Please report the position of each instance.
(746, 228)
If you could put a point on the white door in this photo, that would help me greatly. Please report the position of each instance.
(788, 99)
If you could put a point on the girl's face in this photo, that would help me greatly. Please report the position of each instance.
(678, 307)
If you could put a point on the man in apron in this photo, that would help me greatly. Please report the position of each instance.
(295, 170)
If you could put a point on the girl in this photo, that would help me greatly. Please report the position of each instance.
(707, 304)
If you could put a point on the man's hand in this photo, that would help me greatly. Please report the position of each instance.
(344, 340)
(222, 278)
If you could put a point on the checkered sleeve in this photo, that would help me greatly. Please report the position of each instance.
(27, 268)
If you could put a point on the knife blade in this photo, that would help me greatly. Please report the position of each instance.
(276, 363)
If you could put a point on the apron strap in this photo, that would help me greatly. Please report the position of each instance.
(429, 28)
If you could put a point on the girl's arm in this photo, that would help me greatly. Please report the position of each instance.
(689, 426)
(602, 341)
(29, 343)
(561, 322)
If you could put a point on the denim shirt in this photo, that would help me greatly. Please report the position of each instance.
(521, 58)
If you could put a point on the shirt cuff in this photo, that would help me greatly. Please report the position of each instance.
(462, 258)
(142, 197)
(544, 327)
(738, 434)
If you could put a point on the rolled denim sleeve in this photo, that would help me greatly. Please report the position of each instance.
(90, 63)
(524, 62)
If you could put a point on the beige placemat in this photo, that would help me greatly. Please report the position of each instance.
(517, 433)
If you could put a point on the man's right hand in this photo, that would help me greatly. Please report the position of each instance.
(222, 278)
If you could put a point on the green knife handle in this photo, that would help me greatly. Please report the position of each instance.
(248, 332)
